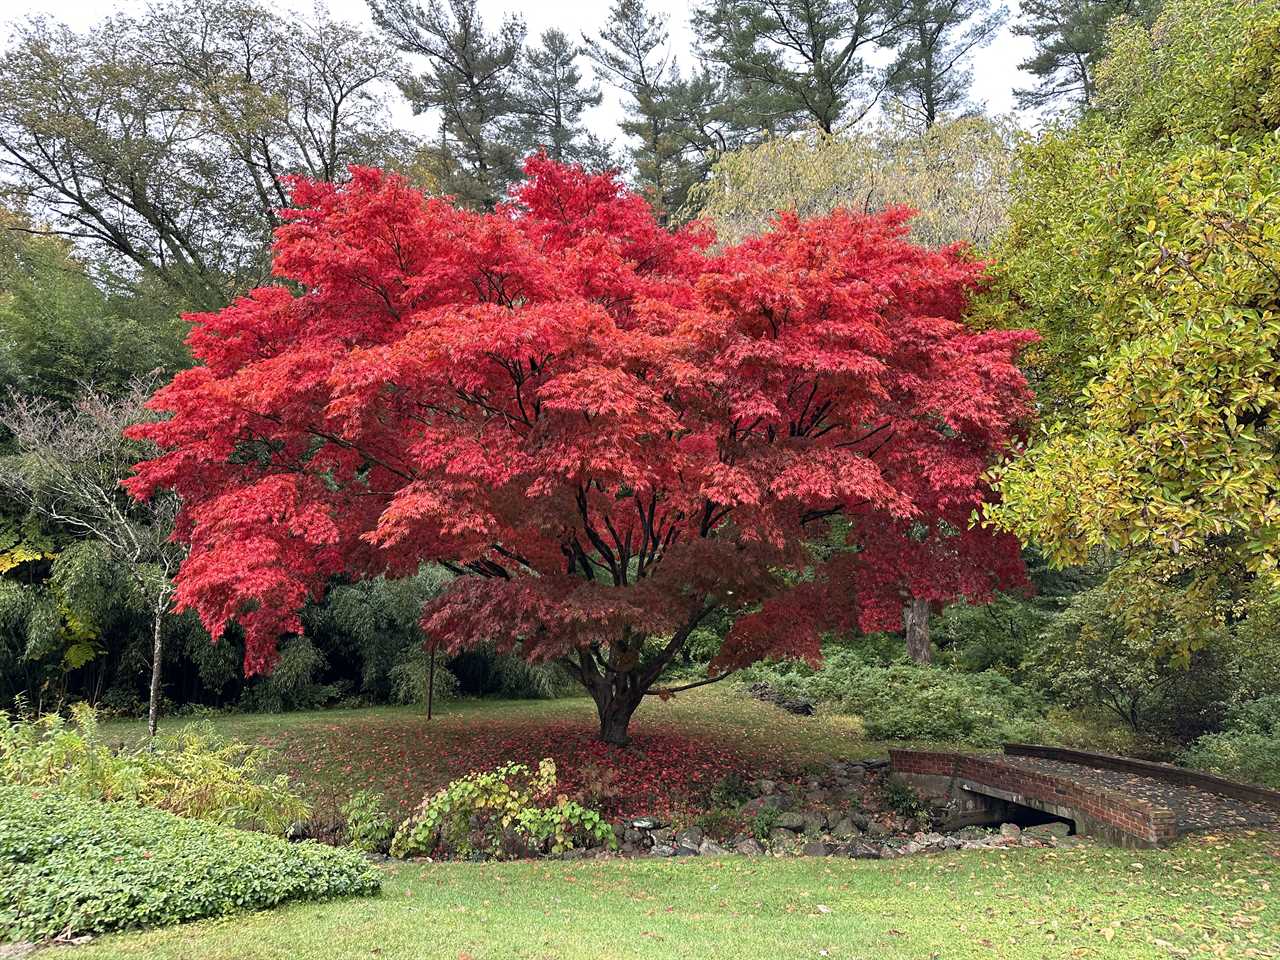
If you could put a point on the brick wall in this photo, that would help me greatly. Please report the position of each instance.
(1129, 815)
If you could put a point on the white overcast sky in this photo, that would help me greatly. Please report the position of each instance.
(995, 71)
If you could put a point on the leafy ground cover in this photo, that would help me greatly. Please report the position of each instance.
(681, 748)
(72, 866)
(1208, 897)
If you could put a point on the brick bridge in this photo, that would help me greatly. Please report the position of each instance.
(1125, 801)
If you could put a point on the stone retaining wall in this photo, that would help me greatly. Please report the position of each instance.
(1095, 809)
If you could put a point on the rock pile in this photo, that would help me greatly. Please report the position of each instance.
(840, 813)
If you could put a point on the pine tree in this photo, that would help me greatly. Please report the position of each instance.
(1070, 38)
(472, 78)
(931, 76)
(551, 100)
(800, 61)
(632, 53)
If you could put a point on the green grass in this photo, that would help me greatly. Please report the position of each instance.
(1203, 898)
(397, 751)
(1206, 897)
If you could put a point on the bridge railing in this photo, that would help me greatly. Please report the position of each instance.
(1161, 771)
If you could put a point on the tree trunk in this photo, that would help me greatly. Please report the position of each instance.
(615, 708)
(916, 626)
(157, 649)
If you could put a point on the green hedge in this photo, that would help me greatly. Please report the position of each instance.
(909, 702)
(85, 866)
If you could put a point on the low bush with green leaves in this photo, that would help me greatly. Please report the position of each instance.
(193, 773)
(76, 866)
(507, 813)
(1247, 748)
(905, 701)
(368, 827)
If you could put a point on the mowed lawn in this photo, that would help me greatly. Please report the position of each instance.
(1210, 896)
(1204, 898)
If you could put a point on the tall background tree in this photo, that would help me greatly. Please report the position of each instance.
(1070, 38)
(165, 138)
(472, 78)
(931, 77)
(66, 468)
(801, 61)
(552, 98)
(633, 54)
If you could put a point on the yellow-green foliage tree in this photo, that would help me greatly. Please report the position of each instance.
(955, 174)
(1145, 244)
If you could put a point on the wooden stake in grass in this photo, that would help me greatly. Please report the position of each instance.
(431, 679)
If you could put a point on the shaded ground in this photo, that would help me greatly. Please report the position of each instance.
(681, 748)
(1194, 809)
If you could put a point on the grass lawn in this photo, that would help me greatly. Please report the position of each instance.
(680, 746)
(1206, 897)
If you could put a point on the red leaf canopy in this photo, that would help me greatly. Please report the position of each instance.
(611, 426)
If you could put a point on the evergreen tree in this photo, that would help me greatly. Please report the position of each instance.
(551, 100)
(931, 77)
(472, 78)
(800, 61)
(1070, 38)
(632, 54)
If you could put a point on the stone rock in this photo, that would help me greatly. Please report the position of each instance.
(663, 850)
(633, 836)
(929, 839)
(690, 837)
(845, 827)
(664, 836)
(574, 853)
(764, 788)
(647, 823)
(889, 853)
(814, 823)
(975, 845)
(709, 848)
(792, 821)
(1010, 831)
(878, 763)
(877, 829)
(864, 851)
(816, 848)
(860, 819)
(774, 801)
(749, 847)
(1043, 831)
(781, 838)
(910, 847)
(685, 851)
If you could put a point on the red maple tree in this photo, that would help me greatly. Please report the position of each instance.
(609, 431)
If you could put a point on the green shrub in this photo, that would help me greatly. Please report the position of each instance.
(504, 813)
(193, 773)
(1248, 748)
(410, 673)
(911, 702)
(83, 866)
(903, 799)
(368, 826)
